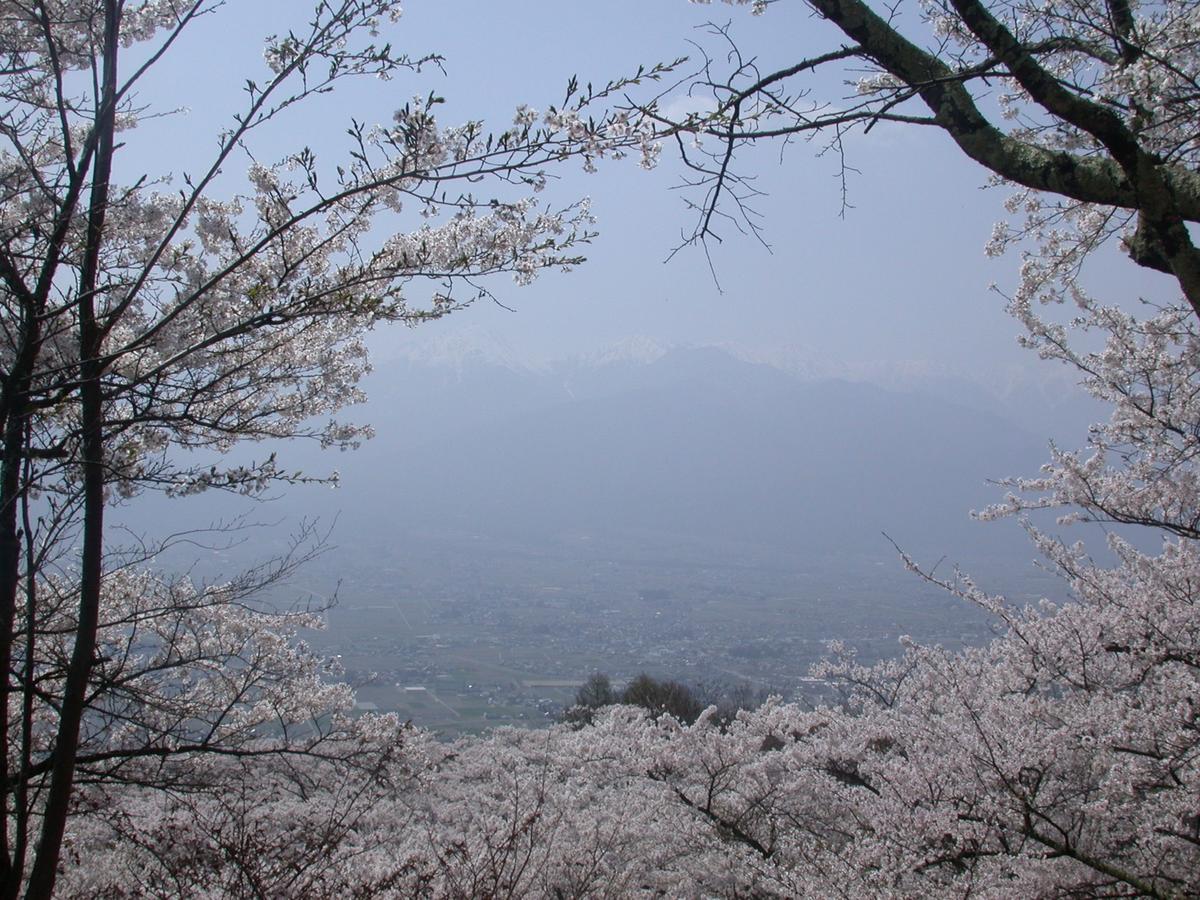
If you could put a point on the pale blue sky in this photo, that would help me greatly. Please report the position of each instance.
(902, 276)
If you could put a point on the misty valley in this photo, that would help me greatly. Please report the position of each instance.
(682, 512)
(469, 634)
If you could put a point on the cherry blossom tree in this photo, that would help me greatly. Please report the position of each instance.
(1091, 108)
(155, 321)
(1062, 758)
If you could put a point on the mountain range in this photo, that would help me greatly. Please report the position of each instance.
(698, 447)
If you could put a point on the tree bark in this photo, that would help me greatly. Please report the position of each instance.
(1110, 182)
(58, 797)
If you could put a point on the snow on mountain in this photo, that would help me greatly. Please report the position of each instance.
(634, 350)
(1041, 398)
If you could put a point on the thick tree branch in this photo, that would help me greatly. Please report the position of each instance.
(1160, 218)
(1092, 179)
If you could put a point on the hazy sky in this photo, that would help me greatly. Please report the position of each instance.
(902, 276)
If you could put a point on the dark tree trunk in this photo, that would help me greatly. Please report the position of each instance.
(62, 774)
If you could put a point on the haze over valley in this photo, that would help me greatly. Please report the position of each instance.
(694, 512)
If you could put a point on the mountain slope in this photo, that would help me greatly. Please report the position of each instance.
(696, 446)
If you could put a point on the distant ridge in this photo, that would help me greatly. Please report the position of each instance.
(1040, 398)
(688, 444)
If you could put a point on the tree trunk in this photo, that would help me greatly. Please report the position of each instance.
(58, 798)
